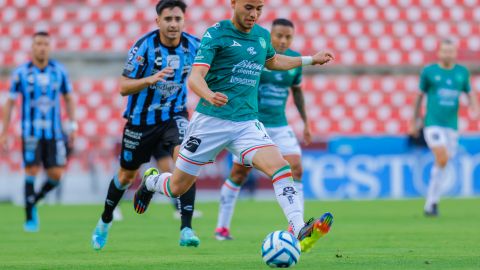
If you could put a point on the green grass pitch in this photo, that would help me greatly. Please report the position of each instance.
(365, 235)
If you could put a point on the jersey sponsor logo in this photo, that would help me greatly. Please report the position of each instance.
(278, 76)
(262, 41)
(44, 104)
(251, 51)
(173, 61)
(167, 88)
(236, 44)
(207, 35)
(192, 144)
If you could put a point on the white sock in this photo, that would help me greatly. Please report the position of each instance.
(299, 187)
(228, 199)
(437, 175)
(159, 183)
(287, 198)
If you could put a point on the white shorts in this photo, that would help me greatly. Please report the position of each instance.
(207, 136)
(440, 136)
(284, 138)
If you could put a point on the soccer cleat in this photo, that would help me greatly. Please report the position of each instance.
(100, 234)
(143, 196)
(188, 238)
(32, 225)
(433, 212)
(222, 234)
(313, 230)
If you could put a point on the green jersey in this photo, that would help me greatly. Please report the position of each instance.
(236, 60)
(273, 93)
(443, 88)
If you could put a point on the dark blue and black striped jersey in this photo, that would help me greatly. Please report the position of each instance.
(40, 90)
(162, 101)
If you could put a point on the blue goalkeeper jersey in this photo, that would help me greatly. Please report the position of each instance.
(160, 102)
(40, 91)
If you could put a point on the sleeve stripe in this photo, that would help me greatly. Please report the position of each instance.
(201, 64)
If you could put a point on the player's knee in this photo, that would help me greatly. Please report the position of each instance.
(126, 177)
(238, 177)
(442, 160)
(55, 175)
(297, 171)
(32, 170)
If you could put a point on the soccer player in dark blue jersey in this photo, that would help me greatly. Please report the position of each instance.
(154, 79)
(40, 82)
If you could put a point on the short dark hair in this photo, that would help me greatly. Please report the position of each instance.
(41, 34)
(283, 22)
(163, 4)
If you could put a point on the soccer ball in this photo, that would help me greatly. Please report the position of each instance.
(280, 249)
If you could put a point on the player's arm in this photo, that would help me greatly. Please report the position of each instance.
(283, 62)
(299, 101)
(72, 125)
(414, 127)
(7, 115)
(8, 108)
(129, 86)
(473, 104)
(196, 82)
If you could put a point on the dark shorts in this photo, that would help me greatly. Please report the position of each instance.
(50, 153)
(139, 143)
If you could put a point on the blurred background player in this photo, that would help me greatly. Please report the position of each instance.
(225, 75)
(154, 79)
(273, 93)
(40, 82)
(442, 83)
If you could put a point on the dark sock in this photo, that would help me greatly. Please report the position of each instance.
(47, 187)
(29, 195)
(186, 205)
(115, 193)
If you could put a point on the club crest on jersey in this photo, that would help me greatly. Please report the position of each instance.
(140, 60)
(251, 51)
(278, 77)
(263, 43)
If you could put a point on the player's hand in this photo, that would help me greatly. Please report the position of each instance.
(475, 113)
(71, 138)
(413, 130)
(322, 58)
(159, 76)
(307, 135)
(3, 142)
(218, 99)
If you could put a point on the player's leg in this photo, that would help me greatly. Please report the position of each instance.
(54, 174)
(295, 162)
(32, 160)
(205, 138)
(437, 141)
(287, 142)
(269, 161)
(228, 198)
(135, 151)
(54, 159)
(31, 220)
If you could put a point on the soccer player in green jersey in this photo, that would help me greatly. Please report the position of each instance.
(273, 94)
(442, 83)
(225, 74)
